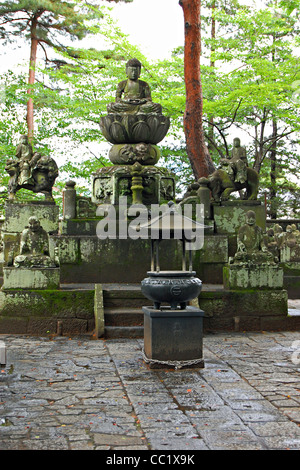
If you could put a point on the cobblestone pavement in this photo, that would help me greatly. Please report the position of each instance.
(78, 394)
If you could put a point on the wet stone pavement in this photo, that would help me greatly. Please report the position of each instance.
(80, 394)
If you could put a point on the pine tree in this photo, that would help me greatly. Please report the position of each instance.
(44, 23)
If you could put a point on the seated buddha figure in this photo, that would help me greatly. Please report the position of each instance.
(34, 247)
(133, 95)
(251, 243)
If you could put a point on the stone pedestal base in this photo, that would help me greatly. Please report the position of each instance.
(111, 183)
(30, 278)
(229, 216)
(262, 276)
(172, 336)
(16, 219)
(17, 215)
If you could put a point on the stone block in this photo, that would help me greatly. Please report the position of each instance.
(290, 254)
(292, 285)
(117, 260)
(99, 311)
(229, 216)
(291, 268)
(39, 311)
(13, 325)
(210, 260)
(33, 278)
(223, 308)
(264, 276)
(68, 248)
(2, 353)
(17, 215)
(173, 335)
(11, 244)
(79, 227)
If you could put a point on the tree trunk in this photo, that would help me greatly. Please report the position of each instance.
(273, 191)
(197, 151)
(212, 65)
(31, 79)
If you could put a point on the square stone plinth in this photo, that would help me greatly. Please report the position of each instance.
(264, 276)
(30, 278)
(173, 335)
(17, 215)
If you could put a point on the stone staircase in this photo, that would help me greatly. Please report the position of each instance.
(123, 315)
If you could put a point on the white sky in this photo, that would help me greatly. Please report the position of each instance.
(154, 25)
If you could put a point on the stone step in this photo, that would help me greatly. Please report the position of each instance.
(132, 297)
(123, 316)
(124, 332)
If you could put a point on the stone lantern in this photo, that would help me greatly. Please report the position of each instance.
(173, 330)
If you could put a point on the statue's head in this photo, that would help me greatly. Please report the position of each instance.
(24, 139)
(237, 142)
(250, 217)
(34, 224)
(289, 228)
(133, 69)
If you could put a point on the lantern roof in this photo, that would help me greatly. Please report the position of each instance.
(172, 224)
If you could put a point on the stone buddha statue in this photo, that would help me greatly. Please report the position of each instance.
(34, 247)
(251, 243)
(133, 95)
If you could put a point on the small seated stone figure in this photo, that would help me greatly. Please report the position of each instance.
(279, 235)
(236, 166)
(290, 236)
(296, 233)
(271, 243)
(34, 247)
(250, 243)
(133, 95)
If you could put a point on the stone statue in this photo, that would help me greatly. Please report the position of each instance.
(271, 243)
(251, 245)
(237, 165)
(24, 153)
(291, 237)
(133, 95)
(222, 185)
(279, 235)
(34, 247)
(31, 171)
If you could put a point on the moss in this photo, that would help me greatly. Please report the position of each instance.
(58, 303)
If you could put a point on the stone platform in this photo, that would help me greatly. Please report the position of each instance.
(71, 308)
(71, 393)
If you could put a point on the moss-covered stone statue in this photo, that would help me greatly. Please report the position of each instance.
(34, 247)
(133, 95)
(134, 119)
(251, 246)
(222, 185)
(233, 175)
(236, 166)
(31, 171)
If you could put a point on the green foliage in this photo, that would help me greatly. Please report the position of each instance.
(249, 84)
(251, 87)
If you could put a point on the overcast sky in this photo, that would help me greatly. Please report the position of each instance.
(155, 25)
